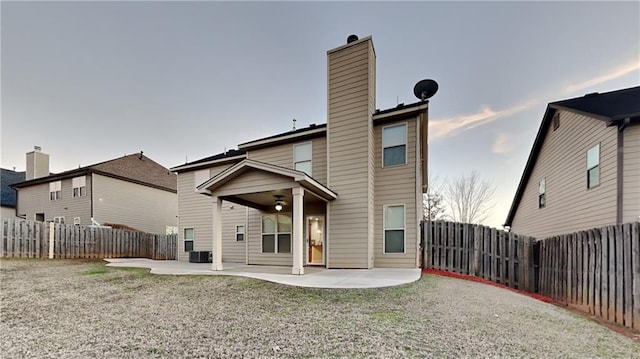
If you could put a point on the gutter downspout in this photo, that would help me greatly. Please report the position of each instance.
(620, 170)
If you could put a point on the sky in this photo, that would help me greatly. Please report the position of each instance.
(92, 81)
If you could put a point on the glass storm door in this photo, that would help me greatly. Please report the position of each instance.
(315, 240)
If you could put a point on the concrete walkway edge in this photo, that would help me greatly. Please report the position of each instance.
(315, 277)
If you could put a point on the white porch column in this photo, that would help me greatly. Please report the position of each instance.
(298, 233)
(217, 234)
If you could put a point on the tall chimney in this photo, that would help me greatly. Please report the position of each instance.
(37, 163)
(350, 153)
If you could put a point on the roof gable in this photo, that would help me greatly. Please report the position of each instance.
(140, 169)
(238, 169)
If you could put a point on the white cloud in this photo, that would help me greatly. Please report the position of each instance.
(451, 126)
(503, 143)
(612, 75)
(439, 129)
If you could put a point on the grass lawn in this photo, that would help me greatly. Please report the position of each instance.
(80, 309)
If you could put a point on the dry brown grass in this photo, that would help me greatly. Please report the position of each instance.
(80, 309)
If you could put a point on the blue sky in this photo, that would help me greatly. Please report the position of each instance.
(91, 81)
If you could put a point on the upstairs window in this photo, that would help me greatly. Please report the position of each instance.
(302, 157)
(394, 145)
(556, 121)
(542, 196)
(55, 190)
(593, 166)
(79, 186)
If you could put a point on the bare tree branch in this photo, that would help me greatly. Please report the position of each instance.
(469, 199)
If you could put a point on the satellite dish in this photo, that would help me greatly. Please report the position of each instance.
(352, 38)
(425, 89)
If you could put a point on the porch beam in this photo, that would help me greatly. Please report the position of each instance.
(216, 263)
(297, 235)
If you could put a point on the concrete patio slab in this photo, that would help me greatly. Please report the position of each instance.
(314, 277)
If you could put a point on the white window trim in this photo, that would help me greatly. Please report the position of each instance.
(276, 233)
(586, 158)
(59, 220)
(406, 144)
(404, 229)
(310, 143)
(243, 232)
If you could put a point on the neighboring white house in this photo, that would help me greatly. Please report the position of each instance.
(131, 191)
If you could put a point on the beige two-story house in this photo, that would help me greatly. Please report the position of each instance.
(584, 169)
(132, 192)
(345, 194)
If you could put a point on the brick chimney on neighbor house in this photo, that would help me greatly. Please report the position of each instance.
(37, 164)
(351, 96)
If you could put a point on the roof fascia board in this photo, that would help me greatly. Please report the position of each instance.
(528, 168)
(405, 112)
(195, 166)
(281, 139)
(53, 177)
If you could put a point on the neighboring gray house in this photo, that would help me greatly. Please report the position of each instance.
(8, 194)
(584, 168)
(131, 191)
(345, 194)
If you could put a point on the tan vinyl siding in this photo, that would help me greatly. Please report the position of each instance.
(351, 96)
(631, 175)
(254, 236)
(196, 211)
(396, 185)
(282, 155)
(141, 207)
(254, 181)
(35, 199)
(570, 206)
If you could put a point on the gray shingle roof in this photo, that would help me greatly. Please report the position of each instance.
(134, 168)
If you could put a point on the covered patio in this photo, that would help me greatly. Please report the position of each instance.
(271, 190)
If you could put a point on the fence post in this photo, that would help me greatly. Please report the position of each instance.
(628, 276)
(475, 242)
(635, 269)
(52, 234)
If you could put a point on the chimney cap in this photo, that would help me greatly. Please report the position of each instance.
(352, 38)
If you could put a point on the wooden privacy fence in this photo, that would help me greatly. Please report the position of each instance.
(481, 251)
(596, 270)
(28, 239)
